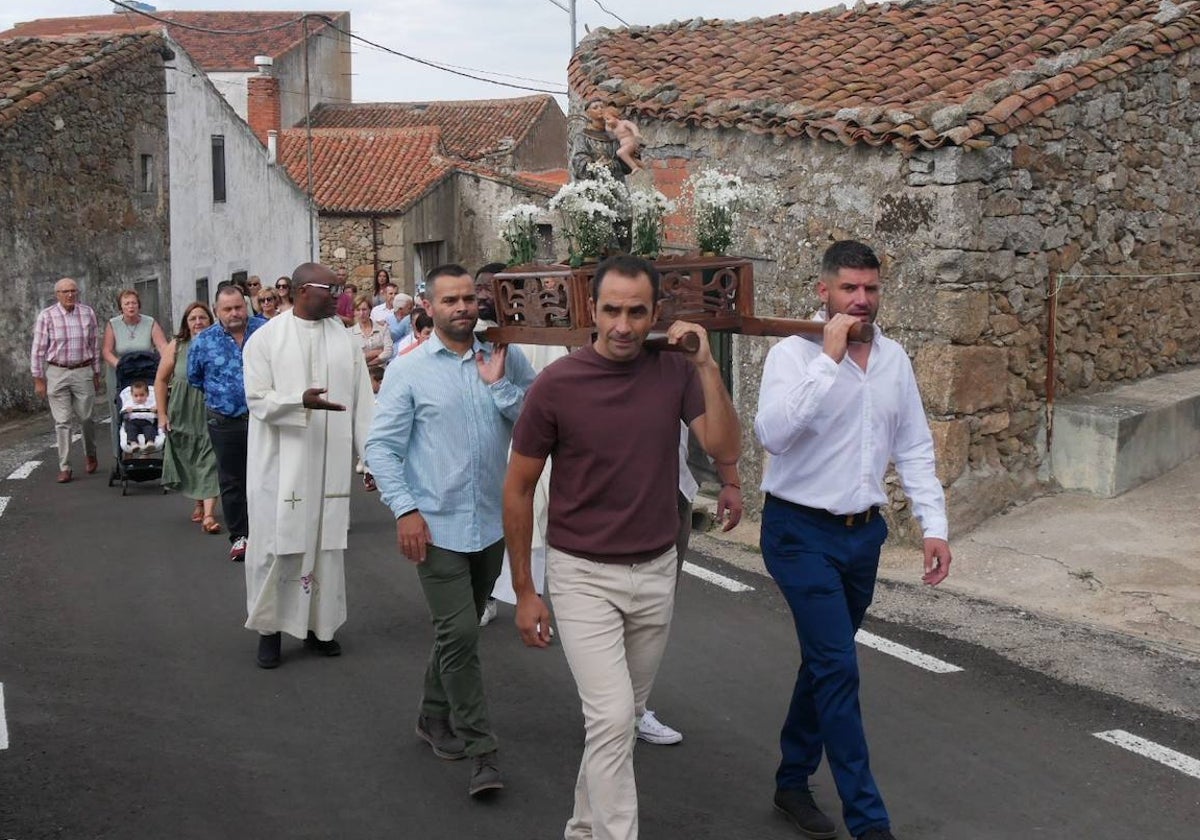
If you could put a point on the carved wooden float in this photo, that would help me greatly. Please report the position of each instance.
(548, 304)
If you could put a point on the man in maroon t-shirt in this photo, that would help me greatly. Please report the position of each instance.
(609, 414)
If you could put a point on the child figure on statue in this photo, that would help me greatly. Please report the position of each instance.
(629, 139)
(139, 419)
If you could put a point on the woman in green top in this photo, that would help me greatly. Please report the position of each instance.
(128, 332)
(189, 464)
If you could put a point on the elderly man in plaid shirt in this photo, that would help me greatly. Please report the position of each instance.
(66, 348)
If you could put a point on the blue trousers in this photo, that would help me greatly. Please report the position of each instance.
(826, 572)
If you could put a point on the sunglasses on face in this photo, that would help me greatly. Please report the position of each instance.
(282, 286)
(268, 299)
(254, 285)
(333, 288)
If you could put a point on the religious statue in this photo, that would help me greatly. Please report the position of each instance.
(594, 145)
(629, 139)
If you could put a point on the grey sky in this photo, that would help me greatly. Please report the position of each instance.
(528, 38)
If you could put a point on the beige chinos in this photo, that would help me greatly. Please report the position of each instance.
(613, 620)
(71, 393)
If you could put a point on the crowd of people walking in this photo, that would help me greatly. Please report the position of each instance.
(296, 382)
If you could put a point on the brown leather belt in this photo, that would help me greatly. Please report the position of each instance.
(71, 367)
(850, 520)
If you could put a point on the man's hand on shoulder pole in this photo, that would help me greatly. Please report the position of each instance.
(703, 355)
(937, 561)
(837, 336)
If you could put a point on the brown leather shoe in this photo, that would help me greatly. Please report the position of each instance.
(64, 476)
(90, 464)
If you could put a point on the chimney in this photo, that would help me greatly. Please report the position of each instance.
(262, 100)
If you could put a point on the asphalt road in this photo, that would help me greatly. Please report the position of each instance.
(134, 709)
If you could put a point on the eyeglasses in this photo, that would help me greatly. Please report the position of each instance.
(254, 285)
(333, 288)
(282, 286)
(268, 299)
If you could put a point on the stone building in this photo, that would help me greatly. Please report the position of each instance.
(999, 155)
(405, 186)
(121, 166)
(226, 53)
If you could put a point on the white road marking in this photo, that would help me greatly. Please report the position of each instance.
(1156, 752)
(25, 470)
(3, 722)
(716, 579)
(4, 500)
(912, 657)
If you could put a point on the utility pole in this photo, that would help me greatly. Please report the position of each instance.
(568, 6)
(308, 147)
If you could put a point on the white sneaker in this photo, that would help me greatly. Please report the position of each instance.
(489, 612)
(653, 731)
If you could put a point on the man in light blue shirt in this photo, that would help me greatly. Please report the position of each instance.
(438, 449)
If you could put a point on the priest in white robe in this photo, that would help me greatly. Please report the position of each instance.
(311, 405)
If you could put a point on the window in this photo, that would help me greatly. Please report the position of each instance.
(147, 174)
(240, 277)
(218, 168)
(545, 242)
(148, 293)
(202, 289)
(426, 255)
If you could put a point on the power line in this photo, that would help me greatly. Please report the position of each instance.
(209, 30)
(435, 65)
(329, 22)
(611, 13)
(472, 69)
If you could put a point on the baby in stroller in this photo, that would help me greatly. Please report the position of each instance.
(140, 433)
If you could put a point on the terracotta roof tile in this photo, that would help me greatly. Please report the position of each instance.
(34, 71)
(354, 171)
(211, 52)
(471, 129)
(880, 74)
(383, 170)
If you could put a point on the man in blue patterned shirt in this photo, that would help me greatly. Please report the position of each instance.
(438, 449)
(215, 367)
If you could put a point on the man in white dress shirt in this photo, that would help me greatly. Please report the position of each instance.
(833, 413)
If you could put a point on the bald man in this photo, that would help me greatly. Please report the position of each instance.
(65, 362)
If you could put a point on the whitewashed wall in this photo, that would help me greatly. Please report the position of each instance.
(263, 226)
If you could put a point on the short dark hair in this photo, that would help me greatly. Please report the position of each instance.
(447, 270)
(490, 268)
(422, 321)
(847, 253)
(627, 266)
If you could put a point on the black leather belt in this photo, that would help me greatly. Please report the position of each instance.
(71, 367)
(850, 520)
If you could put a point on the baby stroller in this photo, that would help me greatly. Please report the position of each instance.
(145, 464)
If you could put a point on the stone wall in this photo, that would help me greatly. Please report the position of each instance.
(972, 244)
(72, 205)
(463, 213)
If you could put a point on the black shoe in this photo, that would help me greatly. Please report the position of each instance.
(798, 805)
(877, 834)
(329, 648)
(485, 774)
(438, 734)
(268, 650)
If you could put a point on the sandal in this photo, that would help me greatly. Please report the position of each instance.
(211, 525)
(198, 513)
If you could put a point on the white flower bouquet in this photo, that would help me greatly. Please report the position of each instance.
(591, 208)
(718, 198)
(647, 208)
(518, 227)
